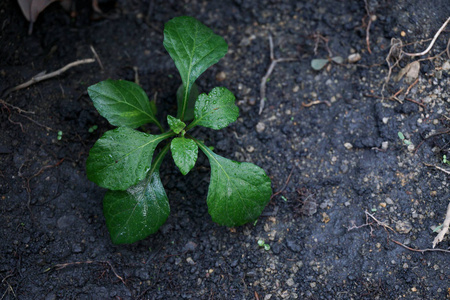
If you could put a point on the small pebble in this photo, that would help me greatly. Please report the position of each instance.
(250, 149)
(355, 57)
(221, 76)
(190, 261)
(290, 282)
(260, 127)
(389, 201)
(411, 148)
(384, 145)
(348, 146)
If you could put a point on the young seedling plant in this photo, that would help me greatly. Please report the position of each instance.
(126, 161)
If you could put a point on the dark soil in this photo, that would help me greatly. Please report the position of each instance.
(345, 158)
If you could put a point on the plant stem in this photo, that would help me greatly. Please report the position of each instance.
(159, 126)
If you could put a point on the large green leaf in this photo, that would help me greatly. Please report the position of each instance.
(122, 103)
(184, 153)
(121, 157)
(238, 192)
(194, 48)
(216, 110)
(190, 106)
(134, 214)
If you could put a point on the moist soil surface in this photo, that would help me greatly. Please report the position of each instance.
(347, 190)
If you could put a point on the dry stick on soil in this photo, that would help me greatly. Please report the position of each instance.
(369, 15)
(27, 183)
(437, 167)
(285, 184)
(432, 42)
(62, 266)
(379, 223)
(19, 110)
(42, 76)
(444, 229)
(397, 242)
(309, 104)
(97, 57)
(10, 288)
(269, 72)
(420, 250)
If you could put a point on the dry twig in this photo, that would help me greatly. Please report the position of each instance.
(432, 42)
(42, 76)
(444, 229)
(97, 57)
(285, 184)
(437, 167)
(62, 266)
(309, 104)
(369, 15)
(420, 250)
(269, 72)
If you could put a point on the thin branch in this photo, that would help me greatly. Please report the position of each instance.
(15, 107)
(285, 184)
(309, 104)
(420, 250)
(42, 76)
(62, 266)
(437, 167)
(97, 57)
(368, 26)
(432, 42)
(269, 72)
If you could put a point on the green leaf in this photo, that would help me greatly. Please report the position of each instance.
(338, 59)
(134, 214)
(238, 192)
(184, 153)
(216, 110)
(189, 113)
(175, 124)
(194, 48)
(318, 63)
(121, 157)
(122, 103)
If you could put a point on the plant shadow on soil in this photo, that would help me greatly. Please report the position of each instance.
(345, 158)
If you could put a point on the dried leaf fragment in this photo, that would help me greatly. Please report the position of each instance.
(411, 72)
(444, 229)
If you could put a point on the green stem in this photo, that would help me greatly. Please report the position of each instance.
(159, 158)
(191, 125)
(166, 135)
(159, 125)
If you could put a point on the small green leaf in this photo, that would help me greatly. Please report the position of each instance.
(134, 214)
(401, 136)
(318, 63)
(338, 59)
(121, 157)
(122, 103)
(175, 124)
(184, 153)
(216, 110)
(266, 247)
(238, 192)
(189, 113)
(261, 243)
(194, 48)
